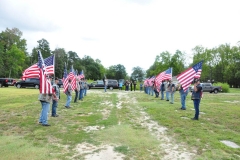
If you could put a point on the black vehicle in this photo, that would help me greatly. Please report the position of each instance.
(30, 82)
(60, 83)
(112, 84)
(4, 82)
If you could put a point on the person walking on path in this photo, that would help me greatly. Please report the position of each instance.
(196, 97)
(55, 101)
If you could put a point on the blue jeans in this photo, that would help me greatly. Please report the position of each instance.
(127, 88)
(69, 98)
(152, 90)
(196, 103)
(148, 90)
(85, 92)
(105, 88)
(162, 94)
(167, 95)
(183, 100)
(54, 107)
(44, 113)
(172, 97)
(81, 94)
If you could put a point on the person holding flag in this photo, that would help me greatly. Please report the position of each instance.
(196, 97)
(68, 92)
(186, 78)
(46, 91)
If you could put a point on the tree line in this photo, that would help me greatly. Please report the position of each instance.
(221, 63)
(14, 58)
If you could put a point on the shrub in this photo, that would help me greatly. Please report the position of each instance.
(225, 86)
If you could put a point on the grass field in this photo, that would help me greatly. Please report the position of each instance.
(119, 125)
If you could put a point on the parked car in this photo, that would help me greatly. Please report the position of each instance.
(112, 84)
(30, 82)
(208, 87)
(4, 82)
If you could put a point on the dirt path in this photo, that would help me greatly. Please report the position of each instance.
(167, 143)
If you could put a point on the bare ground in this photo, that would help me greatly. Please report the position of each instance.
(171, 149)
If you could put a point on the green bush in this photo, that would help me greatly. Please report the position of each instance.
(225, 87)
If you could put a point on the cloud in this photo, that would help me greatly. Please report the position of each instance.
(25, 16)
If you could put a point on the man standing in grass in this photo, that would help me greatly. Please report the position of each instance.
(172, 91)
(162, 89)
(81, 89)
(55, 101)
(134, 85)
(183, 95)
(45, 99)
(85, 87)
(167, 90)
(77, 90)
(105, 84)
(196, 97)
(69, 94)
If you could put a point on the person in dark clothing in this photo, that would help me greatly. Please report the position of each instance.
(134, 85)
(196, 97)
(131, 85)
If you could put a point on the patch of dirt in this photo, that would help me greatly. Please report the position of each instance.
(171, 149)
(103, 152)
(232, 101)
(92, 128)
(167, 143)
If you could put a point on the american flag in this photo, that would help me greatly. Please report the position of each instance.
(67, 77)
(150, 80)
(33, 71)
(81, 75)
(45, 83)
(165, 75)
(186, 77)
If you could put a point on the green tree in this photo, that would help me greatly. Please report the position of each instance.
(43, 46)
(60, 59)
(12, 47)
(177, 62)
(138, 74)
(116, 72)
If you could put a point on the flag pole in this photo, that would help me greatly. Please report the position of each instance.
(54, 67)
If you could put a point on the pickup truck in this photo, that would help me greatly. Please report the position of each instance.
(208, 87)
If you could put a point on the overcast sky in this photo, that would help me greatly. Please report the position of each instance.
(127, 32)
